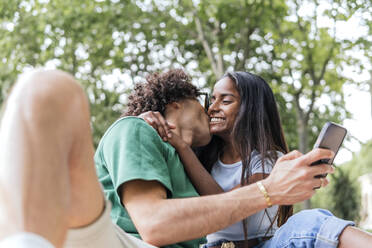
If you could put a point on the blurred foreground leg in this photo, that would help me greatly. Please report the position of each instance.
(47, 176)
(354, 237)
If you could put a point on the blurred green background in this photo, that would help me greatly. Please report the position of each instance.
(109, 45)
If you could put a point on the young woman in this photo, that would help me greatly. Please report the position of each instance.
(247, 140)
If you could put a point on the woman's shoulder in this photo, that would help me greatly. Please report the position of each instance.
(259, 164)
(270, 154)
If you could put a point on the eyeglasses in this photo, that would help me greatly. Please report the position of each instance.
(203, 98)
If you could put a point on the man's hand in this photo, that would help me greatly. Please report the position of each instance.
(293, 178)
(157, 121)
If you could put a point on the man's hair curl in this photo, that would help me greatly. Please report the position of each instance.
(159, 90)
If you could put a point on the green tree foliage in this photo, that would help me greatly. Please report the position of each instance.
(341, 197)
(75, 36)
(345, 196)
(361, 163)
(92, 40)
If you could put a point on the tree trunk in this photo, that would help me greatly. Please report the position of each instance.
(215, 60)
(303, 136)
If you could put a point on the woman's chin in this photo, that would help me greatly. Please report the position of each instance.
(216, 130)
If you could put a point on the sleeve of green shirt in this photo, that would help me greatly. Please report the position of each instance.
(133, 150)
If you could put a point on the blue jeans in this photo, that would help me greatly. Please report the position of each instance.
(316, 228)
(308, 228)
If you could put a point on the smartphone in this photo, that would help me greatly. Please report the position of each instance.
(331, 137)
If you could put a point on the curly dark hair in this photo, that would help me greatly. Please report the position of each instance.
(159, 90)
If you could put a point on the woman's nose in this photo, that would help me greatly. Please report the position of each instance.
(213, 107)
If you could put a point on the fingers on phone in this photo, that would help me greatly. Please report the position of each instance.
(316, 155)
(318, 183)
(321, 170)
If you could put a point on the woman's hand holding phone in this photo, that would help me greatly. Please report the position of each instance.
(331, 137)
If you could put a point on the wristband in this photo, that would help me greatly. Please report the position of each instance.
(264, 192)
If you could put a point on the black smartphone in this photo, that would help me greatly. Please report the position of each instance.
(331, 137)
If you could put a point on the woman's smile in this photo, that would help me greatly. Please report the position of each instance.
(216, 120)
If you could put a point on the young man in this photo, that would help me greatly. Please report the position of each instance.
(50, 195)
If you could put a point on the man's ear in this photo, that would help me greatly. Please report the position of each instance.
(173, 108)
(175, 105)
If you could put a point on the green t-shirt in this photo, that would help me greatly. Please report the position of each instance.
(131, 149)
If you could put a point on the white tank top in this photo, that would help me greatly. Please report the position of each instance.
(228, 176)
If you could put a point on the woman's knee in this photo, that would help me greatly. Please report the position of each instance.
(309, 217)
(313, 213)
(309, 227)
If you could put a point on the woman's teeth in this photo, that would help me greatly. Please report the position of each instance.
(216, 119)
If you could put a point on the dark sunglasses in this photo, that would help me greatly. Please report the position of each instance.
(203, 98)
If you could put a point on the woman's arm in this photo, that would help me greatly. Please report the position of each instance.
(199, 176)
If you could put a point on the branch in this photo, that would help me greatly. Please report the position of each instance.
(205, 44)
(249, 31)
(316, 80)
(246, 48)
(300, 112)
(297, 96)
(220, 64)
(326, 61)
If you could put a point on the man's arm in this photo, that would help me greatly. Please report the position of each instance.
(162, 221)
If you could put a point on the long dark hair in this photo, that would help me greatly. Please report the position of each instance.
(257, 127)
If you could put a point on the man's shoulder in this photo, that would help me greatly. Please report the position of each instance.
(129, 125)
(134, 131)
(130, 122)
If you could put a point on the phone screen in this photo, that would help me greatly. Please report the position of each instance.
(331, 137)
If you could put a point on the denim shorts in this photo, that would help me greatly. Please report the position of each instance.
(316, 228)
